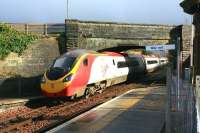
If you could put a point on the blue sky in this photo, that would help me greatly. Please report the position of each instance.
(129, 11)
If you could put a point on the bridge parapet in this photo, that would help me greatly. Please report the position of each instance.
(97, 35)
(102, 35)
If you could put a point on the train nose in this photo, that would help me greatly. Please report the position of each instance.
(59, 94)
(53, 86)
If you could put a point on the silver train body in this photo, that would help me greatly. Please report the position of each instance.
(146, 64)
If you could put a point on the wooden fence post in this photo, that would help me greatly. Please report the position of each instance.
(26, 28)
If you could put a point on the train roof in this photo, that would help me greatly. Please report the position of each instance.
(135, 55)
(114, 53)
(78, 52)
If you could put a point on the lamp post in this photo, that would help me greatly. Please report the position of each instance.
(66, 26)
(67, 9)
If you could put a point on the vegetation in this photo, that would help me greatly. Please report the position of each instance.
(13, 41)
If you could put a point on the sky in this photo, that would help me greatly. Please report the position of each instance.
(127, 11)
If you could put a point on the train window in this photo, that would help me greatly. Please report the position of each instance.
(64, 62)
(152, 62)
(128, 63)
(60, 66)
(114, 62)
(122, 64)
(85, 62)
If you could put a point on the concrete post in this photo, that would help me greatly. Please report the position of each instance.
(198, 102)
(178, 70)
(45, 29)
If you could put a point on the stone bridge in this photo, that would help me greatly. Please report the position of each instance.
(21, 71)
(103, 35)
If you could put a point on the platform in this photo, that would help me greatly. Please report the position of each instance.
(137, 111)
(7, 101)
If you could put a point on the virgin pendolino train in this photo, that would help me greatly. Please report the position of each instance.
(84, 73)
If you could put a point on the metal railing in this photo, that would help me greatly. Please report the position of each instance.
(44, 29)
(181, 110)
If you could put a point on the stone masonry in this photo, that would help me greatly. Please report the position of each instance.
(101, 35)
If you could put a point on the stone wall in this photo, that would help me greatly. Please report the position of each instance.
(192, 7)
(32, 62)
(43, 29)
(186, 35)
(20, 74)
(197, 44)
(96, 35)
(101, 35)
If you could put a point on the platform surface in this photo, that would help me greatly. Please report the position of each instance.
(138, 111)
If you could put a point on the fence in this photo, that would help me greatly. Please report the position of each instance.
(44, 29)
(181, 110)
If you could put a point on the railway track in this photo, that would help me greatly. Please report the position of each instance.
(44, 118)
(48, 115)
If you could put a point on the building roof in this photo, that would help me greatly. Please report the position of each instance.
(190, 6)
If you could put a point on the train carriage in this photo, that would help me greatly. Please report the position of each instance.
(84, 73)
(163, 61)
(152, 63)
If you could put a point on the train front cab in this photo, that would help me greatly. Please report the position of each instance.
(58, 77)
(67, 76)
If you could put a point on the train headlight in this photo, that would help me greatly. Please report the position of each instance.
(43, 80)
(68, 78)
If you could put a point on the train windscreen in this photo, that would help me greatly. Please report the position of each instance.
(64, 62)
(60, 67)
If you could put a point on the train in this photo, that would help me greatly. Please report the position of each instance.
(153, 63)
(83, 73)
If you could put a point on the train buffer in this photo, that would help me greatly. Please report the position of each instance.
(137, 111)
